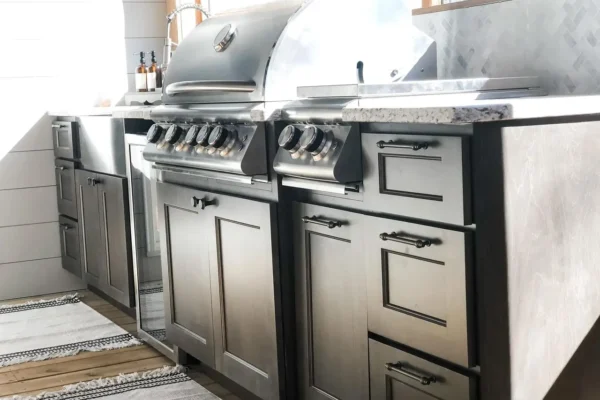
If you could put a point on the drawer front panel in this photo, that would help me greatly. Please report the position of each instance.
(397, 375)
(69, 245)
(425, 177)
(65, 188)
(419, 287)
(65, 138)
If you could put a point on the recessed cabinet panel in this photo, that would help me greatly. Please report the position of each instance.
(241, 262)
(92, 249)
(66, 139)
(114, 222)
(66, 188)
(420, 287)
(397, 375)
(418, 176)
(330, 299)
(184, 251)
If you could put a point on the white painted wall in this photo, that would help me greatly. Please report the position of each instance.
(55, 54)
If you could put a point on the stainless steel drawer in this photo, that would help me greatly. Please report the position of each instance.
(66, 188)
(66, 139)
(69, 245)
(419, 282)
(397, 375)
(425, 177)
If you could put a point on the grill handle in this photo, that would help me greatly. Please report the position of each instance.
(398, 368)
(409, 146)
(396, 237)
(191, 87)
(323, 222)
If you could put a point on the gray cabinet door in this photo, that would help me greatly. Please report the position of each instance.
(184, 237)
(65, 188)
(113, 206)
(331, 307)
(65, 136)
(91, 241)
(420, 287)
(397, 375)
(243, 298)
(69, 245)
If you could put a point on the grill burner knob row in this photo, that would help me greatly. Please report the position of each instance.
(289, 138)
(312, 139)
(218, 136)
(173, 134)
(154, 133)
(202, 138)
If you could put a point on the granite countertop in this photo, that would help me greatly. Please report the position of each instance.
(466, 109)
(139, 112)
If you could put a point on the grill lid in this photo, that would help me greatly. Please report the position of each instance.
(225, 58)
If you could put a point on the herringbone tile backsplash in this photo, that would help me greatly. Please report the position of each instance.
(558, 40)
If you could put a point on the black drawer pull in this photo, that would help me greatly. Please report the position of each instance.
(409, 146)
(396, 237)
(323, 222)
(398, 367)
(202, 202)
(66, 227)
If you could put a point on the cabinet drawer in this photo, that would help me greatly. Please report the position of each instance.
(65, 136)
(66, 191)
(419, 287)
(397, 375)
(425, 177)
(69, 245)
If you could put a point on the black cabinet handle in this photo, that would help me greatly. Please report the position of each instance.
(397, 237)
(202, 202)
(398, 368)
(96, 181)
(409, 146)
(323, 222)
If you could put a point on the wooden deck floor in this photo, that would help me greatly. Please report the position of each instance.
(51, 375)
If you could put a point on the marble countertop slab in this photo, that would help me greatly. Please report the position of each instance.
(137, 112)
(466, 109)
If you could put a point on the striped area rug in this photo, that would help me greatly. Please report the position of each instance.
(61, 327)
(168, 383)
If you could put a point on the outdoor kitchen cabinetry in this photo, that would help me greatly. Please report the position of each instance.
(218, 261)
(104, 234)
(331, 307)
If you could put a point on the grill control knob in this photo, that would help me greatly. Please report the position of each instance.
(154, 133)
(190, 136)
(312, 138)
(202, 138)
(173, 134)
(218, 136)
(288, 140)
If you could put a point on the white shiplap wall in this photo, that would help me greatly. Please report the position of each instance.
(56, 54)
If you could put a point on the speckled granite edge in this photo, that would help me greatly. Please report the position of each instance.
(428, 115)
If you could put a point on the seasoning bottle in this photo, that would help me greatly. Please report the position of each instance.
(156, 69)
(152, 73)
(141, 73)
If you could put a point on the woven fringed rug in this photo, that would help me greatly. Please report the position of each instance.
(61, 327)
(167, 383)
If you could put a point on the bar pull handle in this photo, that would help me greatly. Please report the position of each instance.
(61, 168)
(202, 202)
(56, 126)
(323, 222)
(66, 227)
(398, 368)
(397, 237)
(410, 146)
